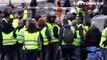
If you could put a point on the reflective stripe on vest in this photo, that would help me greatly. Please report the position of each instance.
(80, 25)
(20, 34)
(79, 10)
(50, 28)
(5, 20)
(78, 39)
(69, 22)
(31, 40)
(8, 39)
(58, 28)
(55, 39)
(46, 41)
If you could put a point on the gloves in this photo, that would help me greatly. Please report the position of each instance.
(105, 43)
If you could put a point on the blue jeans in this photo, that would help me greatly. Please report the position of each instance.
(104, 53)
(55, 47)
(46, 52)
(30, 54)
(41, 55)
(77, 53)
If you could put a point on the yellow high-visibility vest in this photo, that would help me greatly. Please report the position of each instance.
(8, 39)
(15, 23)
(55, 39)
(25, 16)
(77, 40)
(43, 32)
(20, 34)
(11, 16)
(31, 40)
(103, 38)
(69, 22)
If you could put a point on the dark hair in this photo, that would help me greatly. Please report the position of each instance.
(6, 14)
(32, 27)
(38, 17)
(88, 23)
(20, 12)
(65, 21)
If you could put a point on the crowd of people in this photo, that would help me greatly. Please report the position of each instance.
(49, 38)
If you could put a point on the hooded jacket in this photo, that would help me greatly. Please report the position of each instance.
(7, 30)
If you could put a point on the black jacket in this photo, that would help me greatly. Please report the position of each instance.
(93, 37)
(33, 3)
(7, 30)
(67, 3)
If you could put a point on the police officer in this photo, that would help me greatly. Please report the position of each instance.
(103, 42)
(68, 49)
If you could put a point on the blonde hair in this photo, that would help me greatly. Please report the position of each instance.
(93, 24)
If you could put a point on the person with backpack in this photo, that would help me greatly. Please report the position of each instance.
(66, 39)
(103, 42)
(77, 39)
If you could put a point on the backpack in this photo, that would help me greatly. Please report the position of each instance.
(68, 36)
(93, 53)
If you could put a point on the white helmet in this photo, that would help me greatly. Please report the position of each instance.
(80, 2)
